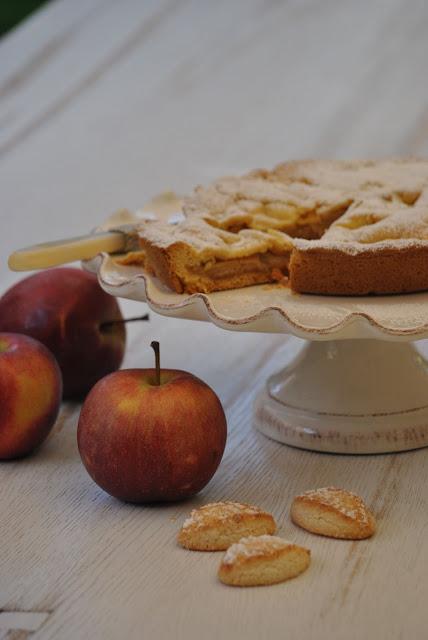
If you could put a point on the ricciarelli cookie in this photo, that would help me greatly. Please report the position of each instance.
(333, 512)
(262, 560)
(215, 526)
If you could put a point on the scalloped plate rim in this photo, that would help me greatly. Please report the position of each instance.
(103, 259)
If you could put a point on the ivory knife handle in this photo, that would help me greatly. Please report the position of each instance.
(51, 254)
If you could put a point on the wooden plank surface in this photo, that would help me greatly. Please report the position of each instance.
(102, 105)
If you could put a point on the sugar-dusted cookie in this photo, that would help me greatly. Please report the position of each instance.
(215, 526)
(333, 512)
(262, 560)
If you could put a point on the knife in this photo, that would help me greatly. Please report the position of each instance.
(120, 239)
(51, 254)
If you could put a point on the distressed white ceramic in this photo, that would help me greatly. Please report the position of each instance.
(348, 396)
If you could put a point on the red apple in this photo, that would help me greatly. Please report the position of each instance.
(146, 442)
(30, 392)
(68, 312)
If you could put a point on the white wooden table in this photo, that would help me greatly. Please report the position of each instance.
(102, 105)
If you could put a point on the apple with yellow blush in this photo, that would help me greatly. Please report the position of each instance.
(149, 435)
(30, 394)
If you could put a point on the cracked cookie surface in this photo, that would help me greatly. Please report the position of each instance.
(333, 512)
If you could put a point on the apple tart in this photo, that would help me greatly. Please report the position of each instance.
(331, 227)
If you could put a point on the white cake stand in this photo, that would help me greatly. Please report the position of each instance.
(353, 381)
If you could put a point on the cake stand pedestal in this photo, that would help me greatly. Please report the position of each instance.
(347, 396)
(356, 383)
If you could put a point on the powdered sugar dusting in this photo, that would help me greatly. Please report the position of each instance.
(350, 206)
(345, 502)
(253, 546)
(219, 512)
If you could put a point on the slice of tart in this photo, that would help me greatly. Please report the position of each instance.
(377, 247)
(194, 256)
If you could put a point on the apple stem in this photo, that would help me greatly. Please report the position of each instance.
(155, 346)
(111, 323)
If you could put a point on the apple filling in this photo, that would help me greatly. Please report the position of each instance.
(259, 263)
(225, 274)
